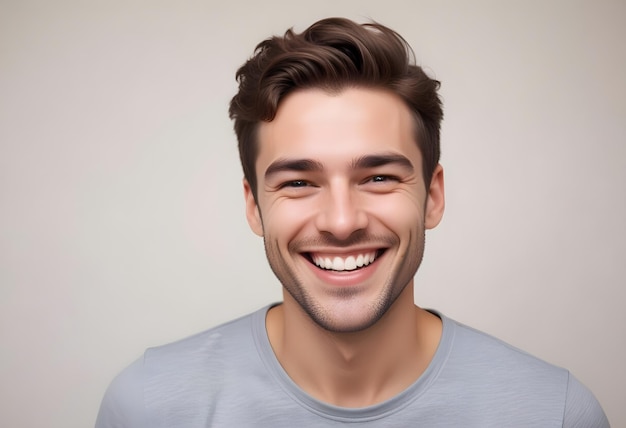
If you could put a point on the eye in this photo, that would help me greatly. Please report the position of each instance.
(296, 188)
(381, 183)
(294, 184)
(382, 178)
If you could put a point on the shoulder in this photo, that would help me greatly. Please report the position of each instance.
(474, 348)
(212, 343)
(501, 375)
(122, 405)
(488, 374)
(178, 373)
(582, 410)
(202, 358)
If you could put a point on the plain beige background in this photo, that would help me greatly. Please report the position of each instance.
(121, 211)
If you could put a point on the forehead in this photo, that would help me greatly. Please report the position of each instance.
(316, 124)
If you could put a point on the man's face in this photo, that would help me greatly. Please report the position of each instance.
(342, 205)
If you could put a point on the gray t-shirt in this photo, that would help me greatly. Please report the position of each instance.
(228, 376)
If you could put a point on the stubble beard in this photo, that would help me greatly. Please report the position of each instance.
(402, 272)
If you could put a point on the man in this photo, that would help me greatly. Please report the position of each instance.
(339, 141)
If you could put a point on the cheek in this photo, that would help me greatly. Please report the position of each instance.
(287, 217)
(399, 212)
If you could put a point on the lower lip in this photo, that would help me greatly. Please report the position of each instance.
(351, 278)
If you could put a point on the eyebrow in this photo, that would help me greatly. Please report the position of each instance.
(363, 162)
(300, 165)
(373, 161)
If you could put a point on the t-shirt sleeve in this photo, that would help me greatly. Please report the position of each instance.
(582, 410)
(123, 403)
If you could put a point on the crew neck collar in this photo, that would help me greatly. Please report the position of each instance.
(345, 414)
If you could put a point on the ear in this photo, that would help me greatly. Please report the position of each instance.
(436, 201)
(252, 210)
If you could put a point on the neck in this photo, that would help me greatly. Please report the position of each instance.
(355, 369)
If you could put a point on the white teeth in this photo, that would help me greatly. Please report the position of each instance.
(349, 263)
(360, 260)
(338, 263)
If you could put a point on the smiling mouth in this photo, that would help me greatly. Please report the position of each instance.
(345, 264)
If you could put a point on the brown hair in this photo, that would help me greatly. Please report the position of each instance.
(333, 54)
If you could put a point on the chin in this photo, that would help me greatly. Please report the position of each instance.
(346, 318)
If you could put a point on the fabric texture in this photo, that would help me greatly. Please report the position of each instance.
(228, 376)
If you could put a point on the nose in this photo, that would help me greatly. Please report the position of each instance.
(340, 212)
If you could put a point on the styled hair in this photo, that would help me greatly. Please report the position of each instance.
(333, 54)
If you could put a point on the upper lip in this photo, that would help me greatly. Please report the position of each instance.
(344, 251)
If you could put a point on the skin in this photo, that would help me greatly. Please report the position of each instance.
(339, 176)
